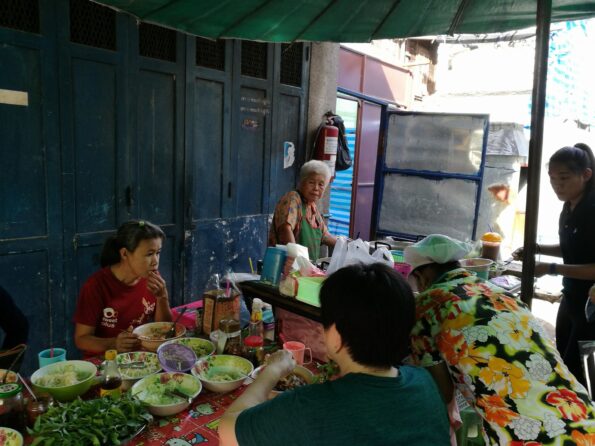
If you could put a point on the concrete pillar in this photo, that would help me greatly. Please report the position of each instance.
(324, 66)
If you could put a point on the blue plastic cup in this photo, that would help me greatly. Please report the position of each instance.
(47, 357)
(272, 267)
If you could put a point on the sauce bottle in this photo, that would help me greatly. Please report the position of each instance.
(232, 330)
(111, 378)
(256, 327)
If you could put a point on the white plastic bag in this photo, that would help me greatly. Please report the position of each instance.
(339, 253)
(358, 251)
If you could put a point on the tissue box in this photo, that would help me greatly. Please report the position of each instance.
(309, 290)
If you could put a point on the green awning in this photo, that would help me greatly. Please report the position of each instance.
(344, 20)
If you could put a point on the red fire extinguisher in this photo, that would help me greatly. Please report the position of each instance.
(326, 146)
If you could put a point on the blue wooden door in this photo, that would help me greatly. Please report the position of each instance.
(106, 120)
(96, 170)
(158, 86)
(30, 225)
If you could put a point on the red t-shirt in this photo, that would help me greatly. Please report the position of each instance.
(112, 306)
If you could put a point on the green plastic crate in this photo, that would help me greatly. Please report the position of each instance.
(309, 290)
(398, 256)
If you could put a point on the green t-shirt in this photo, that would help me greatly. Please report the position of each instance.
(356, 409)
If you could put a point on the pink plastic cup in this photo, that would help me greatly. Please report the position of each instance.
(298, 350)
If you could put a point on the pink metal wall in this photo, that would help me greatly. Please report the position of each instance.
(383, 81)
(363, 179)
(374, 77)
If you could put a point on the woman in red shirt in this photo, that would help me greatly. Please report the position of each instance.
(127, 292)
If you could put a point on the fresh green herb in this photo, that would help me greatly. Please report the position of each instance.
(98, 422)
(326, 371)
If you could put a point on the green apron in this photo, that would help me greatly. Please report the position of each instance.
(310, 237)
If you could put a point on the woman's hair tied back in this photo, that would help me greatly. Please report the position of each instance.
(128, 235)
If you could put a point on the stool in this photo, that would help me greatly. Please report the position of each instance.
(469, 434)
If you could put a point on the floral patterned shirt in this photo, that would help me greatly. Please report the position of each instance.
(503, 363)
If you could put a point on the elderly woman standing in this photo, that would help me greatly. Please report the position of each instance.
(296, 218)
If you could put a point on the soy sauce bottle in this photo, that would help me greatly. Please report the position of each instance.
(111, 379)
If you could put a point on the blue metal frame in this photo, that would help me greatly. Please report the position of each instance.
(364, 97)
(382, 170)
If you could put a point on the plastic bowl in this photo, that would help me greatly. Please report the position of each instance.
(299, 370)
(70, 392)
(12, 376)
(10, 437)
(228, 364)
(479, 266)
(187, 384)
(147, 334)
(132, 375)
(176, 357)
(202, 347)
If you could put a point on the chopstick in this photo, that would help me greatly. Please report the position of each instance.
(15, 360)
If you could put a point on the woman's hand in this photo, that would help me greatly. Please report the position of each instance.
(127, 341)
(280, 364)
(156, 285)
(518, 253)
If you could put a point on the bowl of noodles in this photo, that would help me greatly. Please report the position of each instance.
(222, 373)
(64, 380)
(153, 334)
(299, 377)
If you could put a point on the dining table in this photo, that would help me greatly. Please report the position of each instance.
(199, 422)
(196, 425)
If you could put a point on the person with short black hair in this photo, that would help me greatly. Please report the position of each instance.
(127, 292)
(367, 313)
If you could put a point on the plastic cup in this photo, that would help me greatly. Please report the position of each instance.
(298, 350)
(490, 250)
(47, 357)
(274, 260)
(480, 266)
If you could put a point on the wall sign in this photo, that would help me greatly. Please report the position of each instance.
(14, 97)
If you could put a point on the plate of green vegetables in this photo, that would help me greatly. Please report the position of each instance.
(97, 422)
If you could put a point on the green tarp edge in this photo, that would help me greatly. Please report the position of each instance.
(344, 20)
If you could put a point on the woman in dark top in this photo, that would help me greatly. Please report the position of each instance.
(12, 321)
(15, 327)
(571, 176)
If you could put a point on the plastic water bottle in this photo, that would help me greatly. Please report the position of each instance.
(268, 320)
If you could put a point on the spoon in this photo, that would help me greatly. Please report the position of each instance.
(27, 387)
(172, 331)
(222, 370)
(132, 365)
(180, 394)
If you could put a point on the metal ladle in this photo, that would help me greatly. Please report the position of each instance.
(172, 331)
